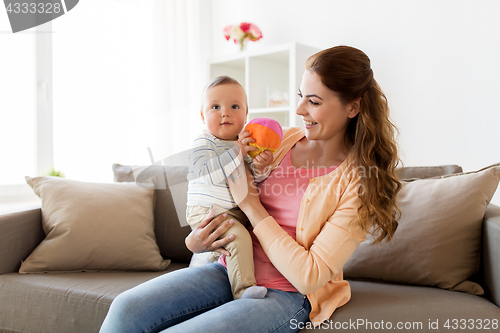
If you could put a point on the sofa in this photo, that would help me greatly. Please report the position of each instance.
(78, 301)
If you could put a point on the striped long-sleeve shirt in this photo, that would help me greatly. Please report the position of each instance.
(211, 161)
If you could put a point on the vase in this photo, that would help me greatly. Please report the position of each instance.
(241, 42)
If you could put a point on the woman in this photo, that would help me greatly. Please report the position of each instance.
(332, 183)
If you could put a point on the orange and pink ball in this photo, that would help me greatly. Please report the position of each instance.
(267, 133)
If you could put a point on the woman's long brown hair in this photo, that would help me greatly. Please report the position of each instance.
(347, 71)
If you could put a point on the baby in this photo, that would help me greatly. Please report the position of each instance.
(215, 155)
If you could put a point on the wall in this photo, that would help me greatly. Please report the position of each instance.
(437, 61)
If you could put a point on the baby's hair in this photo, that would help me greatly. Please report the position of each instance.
(218, 81)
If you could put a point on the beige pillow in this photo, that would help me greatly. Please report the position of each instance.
(438, 240)
(92, 226)
(171, 227)
(422, 172)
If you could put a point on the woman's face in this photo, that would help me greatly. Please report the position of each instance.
(325, 116)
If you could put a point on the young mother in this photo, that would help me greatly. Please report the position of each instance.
(332, 183)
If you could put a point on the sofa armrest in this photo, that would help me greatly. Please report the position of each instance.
(20, 233)
(491, 253)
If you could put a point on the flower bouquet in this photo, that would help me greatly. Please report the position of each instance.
(242, 32)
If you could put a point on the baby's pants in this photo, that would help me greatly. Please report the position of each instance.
(240, 264)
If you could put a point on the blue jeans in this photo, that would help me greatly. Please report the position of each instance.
(199, 299)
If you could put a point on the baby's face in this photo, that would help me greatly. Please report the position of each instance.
(224, 110)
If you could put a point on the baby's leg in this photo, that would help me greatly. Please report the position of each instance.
(240, 266)
(194, 216)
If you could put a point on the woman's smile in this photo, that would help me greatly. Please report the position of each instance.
(309, 124)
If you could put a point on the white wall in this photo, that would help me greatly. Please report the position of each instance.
(437, 61)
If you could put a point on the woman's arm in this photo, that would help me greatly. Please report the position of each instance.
(308, 269)
(327, 252)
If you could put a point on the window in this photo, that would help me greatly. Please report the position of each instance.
(99, 87)
(17, 105)
(105, 88)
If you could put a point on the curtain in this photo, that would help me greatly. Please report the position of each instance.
(185, 53)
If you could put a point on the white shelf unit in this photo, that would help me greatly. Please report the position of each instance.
(275, 69)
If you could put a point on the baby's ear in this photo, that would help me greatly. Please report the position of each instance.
(202, 116)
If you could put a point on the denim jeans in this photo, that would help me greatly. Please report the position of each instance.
(199, 299)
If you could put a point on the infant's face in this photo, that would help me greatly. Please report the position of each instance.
(224, 110)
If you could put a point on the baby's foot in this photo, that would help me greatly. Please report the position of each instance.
(254, 292)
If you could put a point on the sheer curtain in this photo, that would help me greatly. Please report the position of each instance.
(126, 77)
(17, 104)
(187, 47)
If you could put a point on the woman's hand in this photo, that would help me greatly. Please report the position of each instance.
(242, 186)
(203, 238)
(263, 161)
(246, 194)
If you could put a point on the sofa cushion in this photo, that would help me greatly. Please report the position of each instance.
(76, 302)
(92, 226)
(171, 187)
(374, 303)
(438, 240)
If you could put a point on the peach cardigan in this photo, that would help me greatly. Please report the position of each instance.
(328, 233)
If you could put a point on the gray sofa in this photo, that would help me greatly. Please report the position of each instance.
(78, 302)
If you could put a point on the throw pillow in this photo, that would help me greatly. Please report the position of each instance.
(171, 227)
(422, 172)
(438, 239)
(92, 226)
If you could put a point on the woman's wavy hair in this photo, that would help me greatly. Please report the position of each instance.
(347, 71)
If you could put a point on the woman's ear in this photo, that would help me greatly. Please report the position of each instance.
(354, 108)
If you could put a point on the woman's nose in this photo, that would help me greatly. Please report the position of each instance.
(301, 109)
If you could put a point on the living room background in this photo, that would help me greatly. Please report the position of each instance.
(129, 76)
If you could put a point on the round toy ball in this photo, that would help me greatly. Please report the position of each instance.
(267, 133)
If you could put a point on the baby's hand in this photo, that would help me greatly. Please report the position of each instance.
(244, 138)
(262, 161)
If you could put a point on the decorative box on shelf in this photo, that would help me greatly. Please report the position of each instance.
(271, 77)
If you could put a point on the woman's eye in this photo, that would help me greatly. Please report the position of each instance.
(300, 95)
(313, 102)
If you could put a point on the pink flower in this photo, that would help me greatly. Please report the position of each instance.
(255, 32)
(245, 26)
(227, 32)
(239, 33)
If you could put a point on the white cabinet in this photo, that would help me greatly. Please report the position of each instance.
(271, 77)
